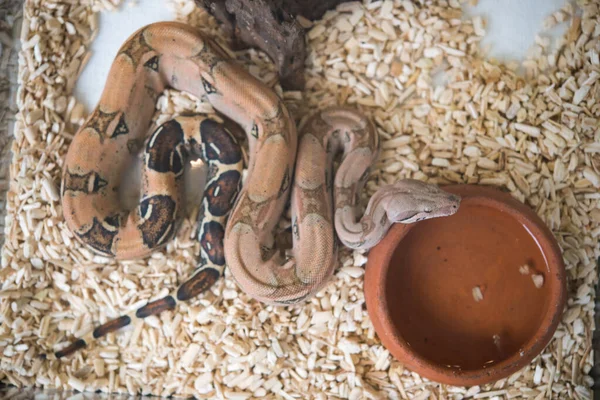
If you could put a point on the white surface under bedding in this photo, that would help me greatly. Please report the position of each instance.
(510, 32)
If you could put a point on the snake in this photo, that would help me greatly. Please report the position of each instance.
(237, 217)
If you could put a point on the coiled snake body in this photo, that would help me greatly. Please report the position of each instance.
(170, 54)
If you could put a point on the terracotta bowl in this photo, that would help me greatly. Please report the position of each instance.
(471, 298)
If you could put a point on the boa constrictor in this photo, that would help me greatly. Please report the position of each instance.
(170, 54)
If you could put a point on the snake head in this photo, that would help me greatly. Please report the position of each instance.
(410, 200)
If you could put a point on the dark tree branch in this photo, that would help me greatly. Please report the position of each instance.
(271, 26)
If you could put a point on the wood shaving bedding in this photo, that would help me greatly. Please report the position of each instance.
(9, 22)
(534, 136)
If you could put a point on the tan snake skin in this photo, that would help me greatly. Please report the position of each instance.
(171, 54)
(274, 279)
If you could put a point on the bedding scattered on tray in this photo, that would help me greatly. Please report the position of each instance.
(535, 134)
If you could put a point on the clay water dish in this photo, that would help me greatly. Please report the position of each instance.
(448, 297)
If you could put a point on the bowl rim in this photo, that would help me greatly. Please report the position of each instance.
(376, 301)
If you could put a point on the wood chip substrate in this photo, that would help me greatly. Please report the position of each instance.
(445, 113)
